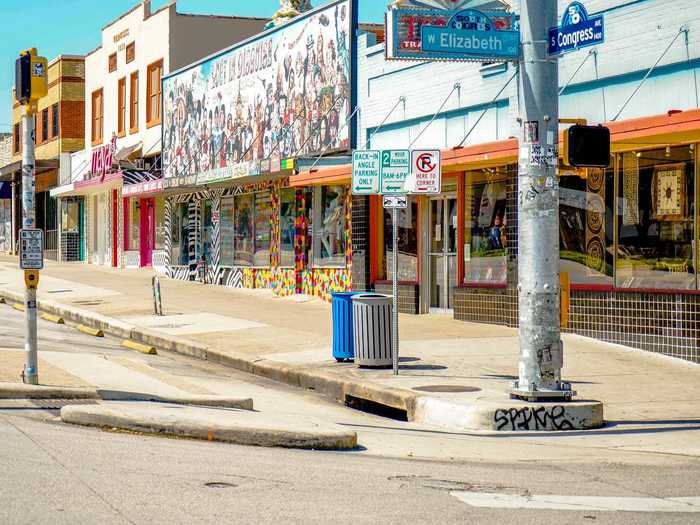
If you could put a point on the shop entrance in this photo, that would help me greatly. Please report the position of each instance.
(147, 228)
(442, 255)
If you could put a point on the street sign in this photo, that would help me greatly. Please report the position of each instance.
(451, 34)
(470, 35)
(31, 249)
(366, 172)
(426, 172)
(395, 170)
(577, 30)
(395, 201)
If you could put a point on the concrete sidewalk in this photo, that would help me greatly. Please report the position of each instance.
(289, 339)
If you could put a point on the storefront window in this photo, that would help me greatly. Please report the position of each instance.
(485, 226)
(243, 230)
(329, 221)
(70, 216)
(656, 219)
(263, 226)
(134, 224)
(287, 216)
(160, 224)
(206, 230)
(407, 242)
(586, 225)
(227, 231)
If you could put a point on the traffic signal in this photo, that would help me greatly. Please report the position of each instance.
(23, 78)
(587, 146)
(31, 77)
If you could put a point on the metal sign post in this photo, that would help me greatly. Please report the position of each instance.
(395, 202)
(541, 349)
(28, 250)
(31, 84)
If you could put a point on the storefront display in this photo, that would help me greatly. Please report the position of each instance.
(243, 246)
(227, 231)
(329, 221)
(586, 225)
(263, 218)
(485, 226)
(657, 253)
(207, 226)
(287, 227)
(407, 242)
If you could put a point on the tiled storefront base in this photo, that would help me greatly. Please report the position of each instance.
(665, 323)
(409, 296)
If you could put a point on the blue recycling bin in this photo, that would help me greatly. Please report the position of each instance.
(343, 344)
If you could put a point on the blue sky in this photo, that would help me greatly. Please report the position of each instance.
(73, 27)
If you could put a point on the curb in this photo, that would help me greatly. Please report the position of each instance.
(23, 391)
(509, 415)
(242, 428)
(329, 385)
(418, 407)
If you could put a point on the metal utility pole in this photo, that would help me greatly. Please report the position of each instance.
(541, 349)
(31, 84)
(31, 367)
(395, 289)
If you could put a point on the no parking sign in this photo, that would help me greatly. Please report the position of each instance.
(426, 172)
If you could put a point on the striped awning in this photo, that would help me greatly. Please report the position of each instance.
(137, 177)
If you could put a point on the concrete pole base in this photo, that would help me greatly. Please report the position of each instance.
(564, 393)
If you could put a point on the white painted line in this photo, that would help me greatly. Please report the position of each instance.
(580, 503)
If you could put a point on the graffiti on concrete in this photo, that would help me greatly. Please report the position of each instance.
(538, 418)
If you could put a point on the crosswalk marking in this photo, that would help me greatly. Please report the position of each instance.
(580, 503)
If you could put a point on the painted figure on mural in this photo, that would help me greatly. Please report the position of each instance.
(284, 96)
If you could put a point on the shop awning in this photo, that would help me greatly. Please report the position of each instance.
(141, 182)
(13, 171)
(128, 151)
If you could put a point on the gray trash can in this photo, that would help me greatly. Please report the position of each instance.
(372, 330)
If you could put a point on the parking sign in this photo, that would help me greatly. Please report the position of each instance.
(426, 172)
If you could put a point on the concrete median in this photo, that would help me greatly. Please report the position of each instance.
(226, 425)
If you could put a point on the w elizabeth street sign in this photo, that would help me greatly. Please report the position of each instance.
(451, 34)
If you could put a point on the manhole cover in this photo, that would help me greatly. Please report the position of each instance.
(447, 389)
(220, 485)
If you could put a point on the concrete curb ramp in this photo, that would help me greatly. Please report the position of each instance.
(230, 426)
(22, 391)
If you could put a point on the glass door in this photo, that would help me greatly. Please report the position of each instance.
(443, 252)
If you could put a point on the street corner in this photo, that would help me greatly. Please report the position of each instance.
(509, 415)
(234, 426)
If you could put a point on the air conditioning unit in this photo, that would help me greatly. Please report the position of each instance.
(140, 164)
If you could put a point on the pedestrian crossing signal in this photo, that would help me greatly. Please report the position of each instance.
(587, 146)
(31, 77)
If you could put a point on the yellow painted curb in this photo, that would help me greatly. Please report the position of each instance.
(139, 347)
(90, 331)
(18, 306)
(53, 318)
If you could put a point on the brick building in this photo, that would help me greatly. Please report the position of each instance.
(59, 131)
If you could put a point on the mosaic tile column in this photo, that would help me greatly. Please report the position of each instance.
(168, 208)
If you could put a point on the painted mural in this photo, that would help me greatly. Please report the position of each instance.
(284, 95)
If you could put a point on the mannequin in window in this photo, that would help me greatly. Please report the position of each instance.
(333, 223)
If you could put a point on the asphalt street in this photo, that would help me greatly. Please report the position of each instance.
(56, 473)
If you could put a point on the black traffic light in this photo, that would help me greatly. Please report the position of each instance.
(587, 146)
(23, 78)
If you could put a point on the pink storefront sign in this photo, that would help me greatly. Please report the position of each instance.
(102, 158)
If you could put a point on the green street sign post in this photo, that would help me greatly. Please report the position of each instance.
(366, 172)
(395, 170)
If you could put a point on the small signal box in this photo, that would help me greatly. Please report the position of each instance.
(31, 77)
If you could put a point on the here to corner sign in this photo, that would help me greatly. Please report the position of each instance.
(577, 30)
